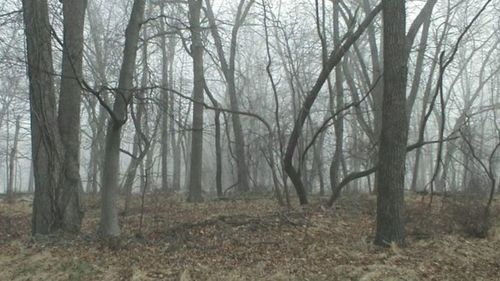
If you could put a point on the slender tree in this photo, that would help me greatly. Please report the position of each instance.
(109, 227)
(228, 66)
(13, 161)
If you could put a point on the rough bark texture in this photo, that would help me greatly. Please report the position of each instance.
(195, 172)
(69, 114)
(109, 214)
(45, 140)
(394, 132)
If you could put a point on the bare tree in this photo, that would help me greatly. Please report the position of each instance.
(228, 70)
(334, 59)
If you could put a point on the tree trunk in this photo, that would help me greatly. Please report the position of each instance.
(109, 214)
(141, 145)
(98, 150)
(99, 123)
(218, 156)
(195, 172)
(46, 144)
(339, 123)
(165, 110)
(175, 138)
(31, 179)
(176, 177)
(218, 146)
(228, 69)
(394, 132)
(70, 183)
(130, 175)
(13, 161)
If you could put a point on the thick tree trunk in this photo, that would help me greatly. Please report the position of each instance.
(394, 132)
(109, 214)
(70, 183)
(195, 172)
(45, 140)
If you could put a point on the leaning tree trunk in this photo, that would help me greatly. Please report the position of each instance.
(335, 57)
(394, 131)
(109, 213)
(195, 172)
(45, 140)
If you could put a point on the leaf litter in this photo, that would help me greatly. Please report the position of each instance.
(247, 240)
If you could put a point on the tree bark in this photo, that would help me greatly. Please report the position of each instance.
(70, 183)
(45, 140)
(108, 226)
(195, 172)
(394, 131)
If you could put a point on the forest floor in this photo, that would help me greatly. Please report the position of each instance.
(249, 240)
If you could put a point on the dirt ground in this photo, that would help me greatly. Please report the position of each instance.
(249, 240)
